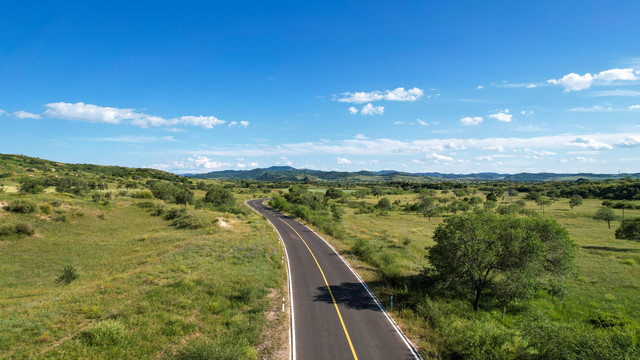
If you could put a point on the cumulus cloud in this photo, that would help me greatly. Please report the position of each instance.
(471, 120)
(194, 163)
(399, 123)
(285, 161)
(25, 115)
(531, 86)
(110, 115)
(360, 136)
(503, 116)
(244, 165)
(629, 142)
(353, 110)
(343, 161)
(589, 143)
(438, 157)
(634, 107)
(498, 148)
(583, 159)
(398, 94)
(480, 87)
(369, 109)
(133, 139)
(484, 158)
(576, 82)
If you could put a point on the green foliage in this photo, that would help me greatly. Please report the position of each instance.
(69, 273)
(510, 254)
(72, 185)
(333, 193)
(629, 229)
(189, 221)
(606, 320)
(226, 349)
(575, 200)
(31, 185)
(46, 208)
(23, 228)
(172, 193)
(24, 206)
(108, 332)
(142, 194)
(220, 198)
(384, 204)
(606, 213)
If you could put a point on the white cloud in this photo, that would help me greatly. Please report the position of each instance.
(244, 123)
(353, 110)
(531, 86)
(575, 82)
(438, 157)
(629, 142)
(585, 159)
(194, 163)
(417, 162)
(2, 112)
(480, 87)
(544, 153)
(634, 107)
(589, 143)
(399, 123)
(526, 112)
(484, 158)
(25, 115)
(133, 139)
(595, 108)
(233, 123)
(285, 161)
(471, 120)
(360, 136)
(498, 148)
(422, 122)
(343, 161)
(369, 109)
(110, 115)
(398, 94)
(503, 116)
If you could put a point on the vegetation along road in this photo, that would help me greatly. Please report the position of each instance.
(334, 315)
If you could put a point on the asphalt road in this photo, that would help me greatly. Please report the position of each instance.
(334, 315)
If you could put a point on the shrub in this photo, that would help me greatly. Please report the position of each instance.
(104, 333)
(143, 194)
(25, 229)
(69, 273)
(605, 320)
(22, 206)
(46, 208)
(629, 229)
(145, 204)
(189, 221)
(220, 197)
(7, 230)
(31, 185)
(174, 213)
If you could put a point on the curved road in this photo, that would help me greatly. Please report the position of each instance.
(334, 316)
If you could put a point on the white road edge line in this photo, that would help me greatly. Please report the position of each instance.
(292, 328)
(406, 341)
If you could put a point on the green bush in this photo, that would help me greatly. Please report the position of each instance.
(7, 229)
(606, 320)
(46, 208)
(145, 204)
(69, 273)
(629, 229)
(25, 229)
(105, 333)
(22, 206)
(143, 194)
(189, 221)
(174, 213)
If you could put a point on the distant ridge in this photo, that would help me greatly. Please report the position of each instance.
(288, 173)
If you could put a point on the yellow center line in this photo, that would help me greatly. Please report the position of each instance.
(346, 333)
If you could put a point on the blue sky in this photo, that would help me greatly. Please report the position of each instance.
(189, 87)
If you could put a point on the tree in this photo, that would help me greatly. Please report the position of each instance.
(333, 193)
(629, 229)
(575, 200)
(511, 255)
(31, 185)
(220, 197)
(384, 204)
(606, 213)
(360, 194)
(543, 201)
(492, 197)
(376, 191)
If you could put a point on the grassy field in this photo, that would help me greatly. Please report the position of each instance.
(144, 288)
(607, 278)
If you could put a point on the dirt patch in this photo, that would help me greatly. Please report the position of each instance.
(223, 223)
(274, 341)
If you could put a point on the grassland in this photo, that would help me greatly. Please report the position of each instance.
(607, 282)
(145, 289)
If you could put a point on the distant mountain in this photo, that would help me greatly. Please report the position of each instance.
(287, 173)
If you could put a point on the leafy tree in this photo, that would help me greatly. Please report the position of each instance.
(219, 197)
(511, 255)
(543, 201)
(376, 191)
(333, 193)
(360, 194)
(606, 213)
(31, 185)
(623, 205)
(492, 197)
(184, 196)
(337, 212)
(629, 229)
(575, 200)
(384, 204)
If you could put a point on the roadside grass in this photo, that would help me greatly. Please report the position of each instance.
(144, 288)
(607, 279)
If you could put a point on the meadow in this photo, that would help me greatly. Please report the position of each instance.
(596, 316)
(108, 279)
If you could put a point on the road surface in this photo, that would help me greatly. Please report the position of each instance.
(334, 316)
